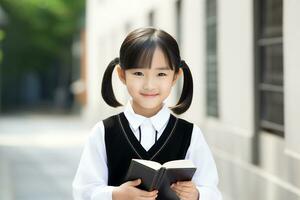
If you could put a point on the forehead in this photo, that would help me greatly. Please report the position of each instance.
(146, 56)
(159, 60)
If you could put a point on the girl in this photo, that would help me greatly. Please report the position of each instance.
(149, 66)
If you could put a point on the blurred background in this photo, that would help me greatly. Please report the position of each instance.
(244, 57)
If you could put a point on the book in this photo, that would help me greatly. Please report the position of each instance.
(155, 176)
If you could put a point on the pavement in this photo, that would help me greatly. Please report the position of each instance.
(39, 155)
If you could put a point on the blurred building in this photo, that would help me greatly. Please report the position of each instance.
(37, 70)
(244, 56)
(3, 22)
(78, 86)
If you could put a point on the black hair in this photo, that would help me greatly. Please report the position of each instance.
(137, 52)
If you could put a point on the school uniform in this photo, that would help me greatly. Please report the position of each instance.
(162, 137)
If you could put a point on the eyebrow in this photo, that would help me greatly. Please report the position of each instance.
(159, 68)
(162, 68)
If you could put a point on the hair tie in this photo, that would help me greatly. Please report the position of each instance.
(116, 60)
(181, 64)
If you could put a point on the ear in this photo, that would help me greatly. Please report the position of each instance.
(121, 74)
(176, 76)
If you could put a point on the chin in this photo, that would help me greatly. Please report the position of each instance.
(148, 103)
(150, 106)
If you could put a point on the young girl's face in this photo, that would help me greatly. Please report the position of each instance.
(150, 87)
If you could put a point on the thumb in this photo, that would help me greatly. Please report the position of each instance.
(135, 182)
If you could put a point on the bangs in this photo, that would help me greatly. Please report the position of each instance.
(140, 54)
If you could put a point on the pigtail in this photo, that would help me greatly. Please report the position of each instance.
(107, 89)
(186, 97)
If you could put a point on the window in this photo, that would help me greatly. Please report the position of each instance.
(211, 59)
(178, 26)
(178, 22)
(151, 18)
(269, 66)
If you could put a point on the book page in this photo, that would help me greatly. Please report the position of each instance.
(152, 164)
(179, 164)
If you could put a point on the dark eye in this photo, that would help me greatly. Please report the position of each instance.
(162, 74)
(138, 73)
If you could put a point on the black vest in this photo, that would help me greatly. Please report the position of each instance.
(122, 145)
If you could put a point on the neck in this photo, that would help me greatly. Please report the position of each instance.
(144, 111)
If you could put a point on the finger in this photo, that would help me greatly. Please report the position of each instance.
(143, 193)
(185, 187)
(185, 193)
(185, 183)
(188, 196)
(182, 196)
(182, 187)
(147, 198)
(134, 183)
(181, 190)
(178, 189)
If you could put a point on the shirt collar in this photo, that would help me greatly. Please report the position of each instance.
(158, 120)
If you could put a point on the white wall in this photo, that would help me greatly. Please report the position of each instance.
(192, 51)
(236, 64)
(235, 123)
(291, 76)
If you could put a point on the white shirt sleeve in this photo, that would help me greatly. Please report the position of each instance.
(206, 175)
(90, 182)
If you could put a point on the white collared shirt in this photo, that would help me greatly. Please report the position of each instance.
(90, 182)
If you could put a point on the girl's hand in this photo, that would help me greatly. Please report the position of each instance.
(186, 190)
(128, 191)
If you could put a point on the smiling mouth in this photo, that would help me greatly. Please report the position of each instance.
(149, 95)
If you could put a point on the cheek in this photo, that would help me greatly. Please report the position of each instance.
(166, 86)
(133, 87)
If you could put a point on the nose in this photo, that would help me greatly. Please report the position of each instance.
(149, 84)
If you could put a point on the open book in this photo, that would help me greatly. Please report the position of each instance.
(160, 177)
